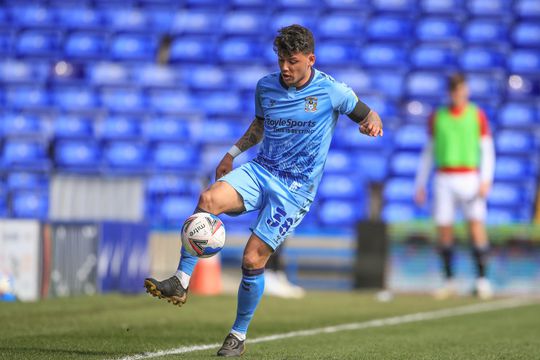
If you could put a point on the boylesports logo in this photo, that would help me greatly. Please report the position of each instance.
(310, 104)
(290, 125)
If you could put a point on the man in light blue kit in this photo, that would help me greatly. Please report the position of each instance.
(296, 111)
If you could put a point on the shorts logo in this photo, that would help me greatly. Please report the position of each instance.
(310, 104)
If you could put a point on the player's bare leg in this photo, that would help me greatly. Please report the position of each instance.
(480, 250)
(446, 250)
(220, 197)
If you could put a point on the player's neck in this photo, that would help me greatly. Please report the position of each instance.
(304, 81)
(458, 107)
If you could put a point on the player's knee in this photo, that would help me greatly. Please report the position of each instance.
(207, 202)
(253, 260)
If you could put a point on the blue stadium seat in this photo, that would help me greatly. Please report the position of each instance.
(385, 108)
(38, 43)
(526, 34)
(515, 168)
(360, 81)
(160, 18)
(192, 49)
(242, 23)
(107, 73)
(27, 181)
(170, 100)
(118, 127)
(346, 4)
(246, 77)
(31, 15)
(349, 137)
(163, 128)
(194, 21)
(7, 39)
(73, 127)
(207, 77)
(386, 6)
(339, 161)
(163, 184)
(334, 186)
(404, 163)
(219, 102)
(249, 3)
(498, 216)
(340, 212)
(524, 61)
(211, 154)
(122, 99)
(341, 26)
(397, 212)
(507, 194)
(176, 209)
(125, 19)
(20, 125)
(25, 96)
(389, 28)
(439, 7)
(30, 204)
(500, 8)
(383, 55)
(134, 47)
(17, 71)
(337, 53)
(399, 189)
(236, 50)
(486, 86)
(513, 141)
(85, 44)
(527, 8)
(74, 97)
(389, 83)
(295, 4)
(78, 17)
(513, 114)
(25, 155)
(371, 165)
(175, 156)
(434, 57)
(121, 156)
(217, 131)
(155, 75)
(482, 59)
(411, 136)
(77, 155)
(438, 30)
(485, 31)
(425, 84)
(308, 19)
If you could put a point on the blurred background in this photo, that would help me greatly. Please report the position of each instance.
(114, 115)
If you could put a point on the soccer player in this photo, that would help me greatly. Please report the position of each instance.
(296, 111)
(461, 144)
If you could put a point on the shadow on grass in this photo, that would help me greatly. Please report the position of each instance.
(37, 351)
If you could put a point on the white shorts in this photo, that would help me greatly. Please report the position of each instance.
(458, 189)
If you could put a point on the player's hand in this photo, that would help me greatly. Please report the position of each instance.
(225, 166)
(420, 197)
(372, 125)
(483, 191)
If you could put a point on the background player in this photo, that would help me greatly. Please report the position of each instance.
(296, 112)
(461, 143)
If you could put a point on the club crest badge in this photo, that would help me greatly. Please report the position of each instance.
(310, 104)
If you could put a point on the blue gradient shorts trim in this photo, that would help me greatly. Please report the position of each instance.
(280, 210)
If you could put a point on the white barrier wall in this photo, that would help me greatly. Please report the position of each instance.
(20, 256)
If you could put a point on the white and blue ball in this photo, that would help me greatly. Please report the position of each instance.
(203, 235)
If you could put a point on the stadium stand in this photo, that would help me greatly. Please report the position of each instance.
(159, 88)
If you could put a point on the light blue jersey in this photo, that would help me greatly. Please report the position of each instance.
(298, 127)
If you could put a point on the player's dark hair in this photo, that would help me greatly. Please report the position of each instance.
(456, 80)
(294, 39)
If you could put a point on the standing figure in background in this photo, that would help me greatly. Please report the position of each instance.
(275, 278)
(461, 145)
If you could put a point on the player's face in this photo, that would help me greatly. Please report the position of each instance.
(460, 95)
(295, 69)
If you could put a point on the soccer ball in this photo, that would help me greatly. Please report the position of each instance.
(203, 235)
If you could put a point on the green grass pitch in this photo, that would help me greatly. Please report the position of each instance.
(114, 326)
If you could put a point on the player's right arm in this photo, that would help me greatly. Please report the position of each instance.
(253, 135)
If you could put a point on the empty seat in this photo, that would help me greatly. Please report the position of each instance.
(73, 126)
(176, 208)
(78, 17)
(246, 77)
(107, 73)
(341, 26)
(371, 165)
(163, 128)
(125, 156)
(175, 156)
(515, 168)
(426, 84)
(30, 204)
(38, 43)
(526, 34)
(192, 49)
(295, 4)
(170, 100)
(339, 161)
(483, 32)
(486, 86)
(499, 216)
(134, 47)
(518, 114)
(350, 137)
(6, 42)
(434, 57)
(243, 23)
(404, 163)
(25, 96)
(527, 8)
(240, 50)
(85, 44)
(383, 55)
(118, 127)
(122, 99)
(482, 59)
(489, 8)
(17, 71)
(346, 4)
(335, 186)
(399, 189)
(77, 155)
(160, 19)
(397, 212)
(524, 61)
(390, 83)
(219, 131)
(340, 213)
(163, 184)
(125, 19)
(513, 141)
(27, 180)
(207, 77)
(360, 81)
(25, 154)
(338, 53)
(31, 15)
(155, 75)
(438, 30)
(195, 21)
(74, 97)
(389, 28)
(411, 136)
(308, 19)
(507, 194)
(394, 5)
(218, 102)
(23, 125)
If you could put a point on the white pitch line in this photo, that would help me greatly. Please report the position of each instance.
(396, 320)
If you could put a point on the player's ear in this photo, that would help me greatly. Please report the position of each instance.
(311, 59)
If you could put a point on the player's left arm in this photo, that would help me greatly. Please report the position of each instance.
(487, 156)
(369, 121)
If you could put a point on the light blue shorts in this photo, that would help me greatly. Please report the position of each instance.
(280, 210)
